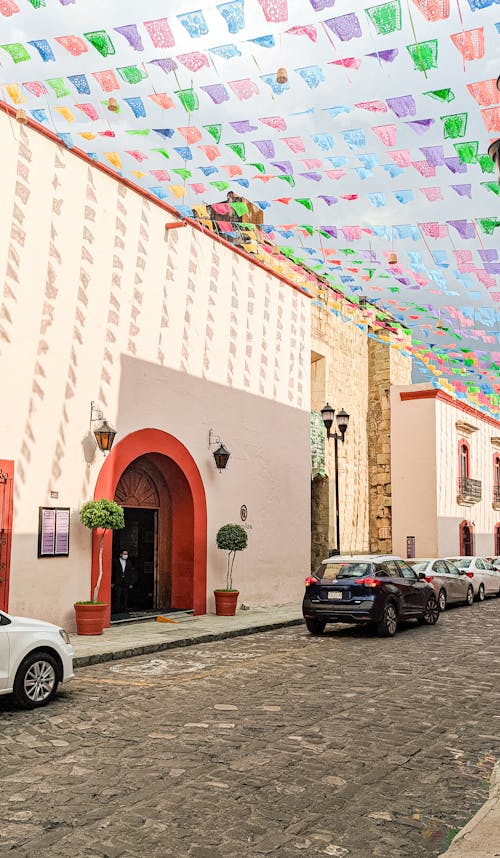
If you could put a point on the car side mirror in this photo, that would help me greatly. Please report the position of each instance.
(421, 576)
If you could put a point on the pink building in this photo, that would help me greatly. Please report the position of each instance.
(179, 340)
(445, 463)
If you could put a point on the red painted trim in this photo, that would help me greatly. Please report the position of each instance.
(6, 517)
(463, 443)
(461, 526)
(121, 456)
(406, 395)
(79, 153)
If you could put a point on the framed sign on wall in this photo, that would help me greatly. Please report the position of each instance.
(53, 531)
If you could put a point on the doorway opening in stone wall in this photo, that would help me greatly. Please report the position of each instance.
(149, 494)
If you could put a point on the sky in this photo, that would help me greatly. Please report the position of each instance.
(375, 145)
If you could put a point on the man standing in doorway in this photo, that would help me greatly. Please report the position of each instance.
(124, 578)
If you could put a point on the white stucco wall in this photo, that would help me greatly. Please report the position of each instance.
(167, 330)
(413, 473)
(425, 473)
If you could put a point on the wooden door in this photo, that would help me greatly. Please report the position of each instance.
(6, 512)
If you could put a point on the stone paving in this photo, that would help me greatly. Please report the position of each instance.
(276, 744)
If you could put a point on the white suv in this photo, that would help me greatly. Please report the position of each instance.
(34, 658)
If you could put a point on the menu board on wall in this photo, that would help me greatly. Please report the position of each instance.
(53, 531)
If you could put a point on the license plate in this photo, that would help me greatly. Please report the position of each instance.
(335, 594)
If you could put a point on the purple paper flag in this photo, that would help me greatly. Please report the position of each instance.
(463, 227)
(433, 155)
(455, 165)
(420, 126)
(386, 56)
(345, 27)
(463, 190)
(167, 64)
(243, 126)
(330, 201)
(132, 36)
(402, 105)
(319, 5)
(265, 147)
(217, 92)
(283, 166)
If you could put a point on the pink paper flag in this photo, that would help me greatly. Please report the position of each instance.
(73, 44)
(432, 194)
(433, 10)
(296, 144)
(36, 88)
(470, 43)
(424, 168)
(190, 133)
(162, 100)
(401, 157)
(160, 33)
(276, 122)
(491, 118)
(106, 80)
(244, 89)
(386, 134)
(275, 10)
(211, 152)
(374, 106)
(485, 92)
(194, 61)
(308, 31)
(89, 110)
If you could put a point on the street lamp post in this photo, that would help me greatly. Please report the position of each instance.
(328, 415)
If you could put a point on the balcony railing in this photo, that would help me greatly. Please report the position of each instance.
(496, 497)
(469, 491)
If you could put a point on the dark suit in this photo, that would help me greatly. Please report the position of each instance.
(123, 580)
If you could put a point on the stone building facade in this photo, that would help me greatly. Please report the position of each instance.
(354, 362)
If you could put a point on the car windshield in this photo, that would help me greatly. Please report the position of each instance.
(418, 565)
(462, 564)
(336, 571)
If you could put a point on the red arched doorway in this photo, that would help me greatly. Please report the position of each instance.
(466, 539)
(152, 470)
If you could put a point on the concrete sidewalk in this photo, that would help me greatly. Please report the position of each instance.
(129, 639)
(480, 838)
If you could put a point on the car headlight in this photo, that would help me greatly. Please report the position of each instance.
(65, 636)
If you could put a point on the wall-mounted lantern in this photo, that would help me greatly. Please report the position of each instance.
(221, 455)
(104, 433)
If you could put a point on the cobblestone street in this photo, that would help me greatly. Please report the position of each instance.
(275, 744)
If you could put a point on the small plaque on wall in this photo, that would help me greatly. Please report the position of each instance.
(53, 531)
(410, 547)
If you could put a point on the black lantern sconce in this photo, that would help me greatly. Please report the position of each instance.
(328, 415)
(104, 433)
(221, 455)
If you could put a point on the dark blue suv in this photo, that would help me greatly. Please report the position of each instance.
(370, 588)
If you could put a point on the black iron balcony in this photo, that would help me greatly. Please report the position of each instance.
(496, 497)
(469, 491)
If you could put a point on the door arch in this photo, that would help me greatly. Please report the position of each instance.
(466, 539)
(156, 452)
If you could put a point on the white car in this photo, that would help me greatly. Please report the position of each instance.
(485, 579)
(450, 583)
(34, 658)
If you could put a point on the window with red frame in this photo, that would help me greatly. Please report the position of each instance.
(464, 462)
(496, 478)
(497, 540)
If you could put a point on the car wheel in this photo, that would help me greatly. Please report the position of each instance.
(470, 595)
(388, 625)
(315, 627)
(480, 593)
(442, 600)
(36, 680)
(431, 613)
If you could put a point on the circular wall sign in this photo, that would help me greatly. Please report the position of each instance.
(243, 512)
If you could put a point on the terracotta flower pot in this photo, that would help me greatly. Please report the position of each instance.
(90, 618)
(225, 602)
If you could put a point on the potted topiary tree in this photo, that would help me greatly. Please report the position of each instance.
(99, 515)
(230, 538)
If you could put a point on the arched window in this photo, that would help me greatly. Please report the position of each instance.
(466, 539)
(496, 478)
(497, 540)
(463, 463)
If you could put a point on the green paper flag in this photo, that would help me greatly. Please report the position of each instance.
(221, 186)
(238, 149)
(488, 225)
(17, 52)
(214, 130)
(455, 125)
(162, 152)
(467, 152)
(288, 179)
(385, 18)
(492, 186)
(486, 163)
(131, 74)
(182, 172)
(308, 228)
(100, 40)
(37, 3)
(240, 208)
(139, 132)
(59, 86)
(441, 94)
(307, 203)
(259, 167)
(188, 99)
(424, 54)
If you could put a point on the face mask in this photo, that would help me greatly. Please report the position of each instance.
(125, 556)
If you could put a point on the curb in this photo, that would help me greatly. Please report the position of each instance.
(480, 837)
(130, 652)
